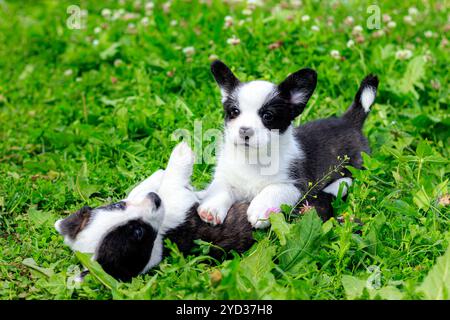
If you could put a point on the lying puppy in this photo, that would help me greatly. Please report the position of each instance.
(126, 238)
(265, 160)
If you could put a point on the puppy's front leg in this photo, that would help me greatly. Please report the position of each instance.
(180, 166)
(269, 200)
(217, 200)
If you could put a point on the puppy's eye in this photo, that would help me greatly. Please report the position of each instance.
(138, 233)
(119, 205)
(267, 116)
(234, 112)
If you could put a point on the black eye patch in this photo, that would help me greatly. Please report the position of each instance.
(125, 251)
(276, 114)
(231, 109)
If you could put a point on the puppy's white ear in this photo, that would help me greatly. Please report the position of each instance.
(297, 88)
(224, 77)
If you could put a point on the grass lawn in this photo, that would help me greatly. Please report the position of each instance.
(87, 113)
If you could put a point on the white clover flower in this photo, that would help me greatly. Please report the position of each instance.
(428, 34)
(213, 57)
(408, 19)
(296, 3)
(427, 57)
(106, 13)
(403, 54)
(149, 6)
(118, 63)
(130, 16)
(306, 18)
(115, 16)
(413, 11)
(335, 54)
(173, 23)
(228, 21)
(95, 42)
(145, 21)
(350, 43)
(357, 29)
(233, 41)
(189, 51)
(386, 18)
(252, 4)
(378, 33)
(315, 28)
(166, 6)
(97, 30)
(349, 20)
(391, 24)
(68, 72)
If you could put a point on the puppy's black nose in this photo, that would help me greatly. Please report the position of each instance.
(246, 133)
(155, 199)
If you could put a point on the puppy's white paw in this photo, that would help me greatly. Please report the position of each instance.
(181, 159)
(258, 214)
(213, 211)
(182, 154)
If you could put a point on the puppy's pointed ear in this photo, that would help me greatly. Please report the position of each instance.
(297, 88)
(224, 77)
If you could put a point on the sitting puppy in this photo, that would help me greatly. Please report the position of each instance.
(268, 162)
(126, 238)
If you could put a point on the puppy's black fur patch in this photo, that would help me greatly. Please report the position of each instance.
(235, 233)
(326, 142)
(125, 251)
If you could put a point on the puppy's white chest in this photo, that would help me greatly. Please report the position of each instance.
(246, 181)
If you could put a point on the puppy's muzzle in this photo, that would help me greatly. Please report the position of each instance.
(246, 133)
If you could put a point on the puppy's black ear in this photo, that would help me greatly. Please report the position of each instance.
(297, 88)
(225, 78)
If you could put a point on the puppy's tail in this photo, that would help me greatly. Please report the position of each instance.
(364, 99)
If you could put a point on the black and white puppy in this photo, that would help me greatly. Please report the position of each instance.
(267, 161)
(126, 238)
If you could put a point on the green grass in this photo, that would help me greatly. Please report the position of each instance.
(81, 123)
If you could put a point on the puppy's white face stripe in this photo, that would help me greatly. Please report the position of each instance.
(367, 98)
(250, 97)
